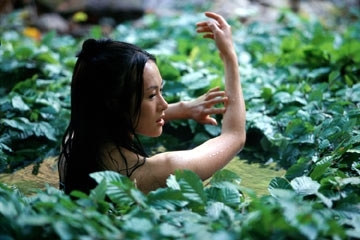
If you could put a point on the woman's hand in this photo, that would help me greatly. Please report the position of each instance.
(219, 30)
(202, 107)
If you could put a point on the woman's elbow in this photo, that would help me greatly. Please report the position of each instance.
(241, 140)
(237, 140)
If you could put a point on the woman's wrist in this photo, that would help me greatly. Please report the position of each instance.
(178, 110)
(185, 110)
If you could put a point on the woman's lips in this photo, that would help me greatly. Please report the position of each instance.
(161, 120)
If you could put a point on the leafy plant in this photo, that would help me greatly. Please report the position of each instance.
(185, 209)
(35, 97)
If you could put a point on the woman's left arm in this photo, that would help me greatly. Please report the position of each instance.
(198, 109)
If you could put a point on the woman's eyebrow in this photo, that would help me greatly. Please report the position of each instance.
(155, 86)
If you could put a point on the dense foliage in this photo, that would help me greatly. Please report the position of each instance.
(301, 81)
(183, 210)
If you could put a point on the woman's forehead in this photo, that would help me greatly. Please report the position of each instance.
(152, 77)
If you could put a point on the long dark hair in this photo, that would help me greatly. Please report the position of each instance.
(106, 95)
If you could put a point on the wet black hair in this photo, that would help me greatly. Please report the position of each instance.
(106, 95)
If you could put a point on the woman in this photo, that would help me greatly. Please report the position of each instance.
(116, 94)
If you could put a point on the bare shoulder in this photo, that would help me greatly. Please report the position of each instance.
(154, 173)
(148, 173)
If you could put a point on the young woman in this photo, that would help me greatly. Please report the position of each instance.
(116, 94)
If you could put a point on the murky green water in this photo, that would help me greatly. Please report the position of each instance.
(253, 176)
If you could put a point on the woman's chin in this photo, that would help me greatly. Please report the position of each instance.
(152, 135)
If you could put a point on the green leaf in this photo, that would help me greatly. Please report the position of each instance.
(212, 130)
(321, 167)
(305, 185)
(99, 192)
(18, 103)
(225, 175)
(192, 188)
(356, 166)
(24, 52)
(218, 210)
(48, 57)
(138, 225)
(120, 189)
(226, 193)
(171, 231)
(167, 198)
(290, 43)
(96, 32)
(279, 187)
(196, 80)
(267, 93)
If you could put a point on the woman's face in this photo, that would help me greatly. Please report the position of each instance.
(153, 105)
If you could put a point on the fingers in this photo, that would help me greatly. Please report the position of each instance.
(217, 88)
(215, 101)
(216, 96)
(208, 28)
(219, 19)
(214, 111)
(210, 120)
(204, 28)
(216, 21)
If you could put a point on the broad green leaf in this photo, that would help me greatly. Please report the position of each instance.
(212, 130)
(99, 192)
(24, 52)
(120, 189)
(48, 57)
(18, 103)
(196, 80)
(218, 210)
(109, 176)
(226, 193)
(267, 93)
(191, 187)
(321, 166)
(172, 182)
(39, 129)
(290, 43)
(225, 175)
(167, 198)
(138, 225)
(356, 166)
(305, 186)
(320, 72)
(169, 71)
(349, 180)
(279, 187)
(96, 32)
(169, 230)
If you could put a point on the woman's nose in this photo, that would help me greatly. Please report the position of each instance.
(163, 104)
